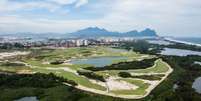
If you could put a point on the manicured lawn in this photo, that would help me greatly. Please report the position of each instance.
(71, 76)
(80, 80)
(160, 67)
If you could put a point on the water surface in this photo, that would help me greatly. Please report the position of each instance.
(197, 85)
(159, 42)
(179, 52)
(190, 39)
(27, 99)
(117, 50)
(197, 62)
(98, 61)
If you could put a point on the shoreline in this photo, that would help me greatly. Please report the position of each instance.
(184, 42)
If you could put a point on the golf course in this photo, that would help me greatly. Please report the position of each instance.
(101, 70)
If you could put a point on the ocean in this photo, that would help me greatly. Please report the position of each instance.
(189, 39)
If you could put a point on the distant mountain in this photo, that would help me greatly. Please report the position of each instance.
(98, 32)
(93, 32)
(84, 33)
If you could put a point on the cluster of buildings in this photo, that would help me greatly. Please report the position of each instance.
(28, 42)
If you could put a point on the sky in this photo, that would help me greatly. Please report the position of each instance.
(167, 17)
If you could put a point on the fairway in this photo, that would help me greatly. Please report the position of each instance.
(104, 82)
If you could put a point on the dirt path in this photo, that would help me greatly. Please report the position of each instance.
(113, 84)
(153, 84)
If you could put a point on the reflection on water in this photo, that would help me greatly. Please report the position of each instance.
(160, 42)
(98, 61)
(197, 85)
(197, 62)
(179, 52)
(27, 99)
(117, 50)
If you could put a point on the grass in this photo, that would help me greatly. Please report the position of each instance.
(41, 56)
(159, 67)
(139, 91)
(10, 94)
(150, 77)
(14, 69)
(81, 80)
(71, 76)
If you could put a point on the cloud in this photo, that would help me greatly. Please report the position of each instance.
(175, 17)
(81, 2)
(63, 2)
(50, 5)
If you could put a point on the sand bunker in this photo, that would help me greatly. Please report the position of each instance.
(9, 54)
(114, 84)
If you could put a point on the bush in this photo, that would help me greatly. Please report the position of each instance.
(124, 74)
(127, 65)
(91, 75)
(12, 64)
(57, 62)
(33, 80)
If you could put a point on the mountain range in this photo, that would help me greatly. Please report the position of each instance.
(100, 32)
(89, 32)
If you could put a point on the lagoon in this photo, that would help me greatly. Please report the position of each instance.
(98, 61)
(179, 52)
(27, 99)
(197, 85)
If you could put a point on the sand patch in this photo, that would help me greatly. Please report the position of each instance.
(9, 54)
(114, 84)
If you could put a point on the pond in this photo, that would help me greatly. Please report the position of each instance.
(98, 61)
(160, 42)
(117, 50)
(179, 52)
(28, 99)
(197, 62)
(197, 85)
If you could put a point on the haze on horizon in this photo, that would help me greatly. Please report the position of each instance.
(167, 17)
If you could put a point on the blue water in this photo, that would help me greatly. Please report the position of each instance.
(190, 39)
(197, 85)
(27, 99)
(179, 52)
(97, 61)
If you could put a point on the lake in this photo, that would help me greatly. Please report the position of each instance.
(179, 52)
(195, 40)
(197, 85)
(197, 62)
(159, 42)
(27, 99)
(117, 50)
(98, 61)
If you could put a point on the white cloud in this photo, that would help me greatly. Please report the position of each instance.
(51, 5)
(63, 2)
(81, 2)
(179, 17)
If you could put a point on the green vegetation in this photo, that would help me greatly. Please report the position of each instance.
(150, 77)
(35, 80)
(146, 77)
(142, 47)
(127, 65)
(11, 64)
(159, 67)
(80, 80)
(48, 61)
(91, 75)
